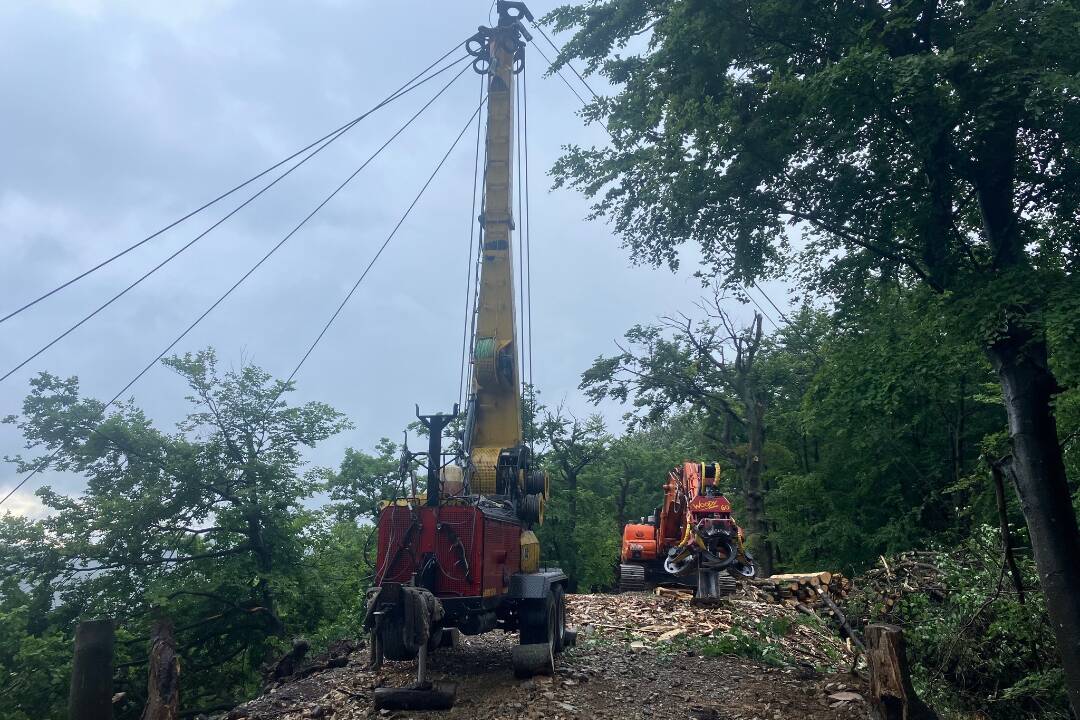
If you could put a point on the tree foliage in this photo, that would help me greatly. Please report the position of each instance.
(207, 524)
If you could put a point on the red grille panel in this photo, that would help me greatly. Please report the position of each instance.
(502, 554)
(394, 564)
(475, 554)
(456, 549)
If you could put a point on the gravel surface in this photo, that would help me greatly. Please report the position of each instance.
(607, 676)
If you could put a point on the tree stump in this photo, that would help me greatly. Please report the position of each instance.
(163, 676)
(91, 693)
(892, 696)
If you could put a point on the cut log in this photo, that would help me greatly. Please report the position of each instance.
(440, 696)
(163, 675)
(892, 696)
(91, 692)
(839, 615)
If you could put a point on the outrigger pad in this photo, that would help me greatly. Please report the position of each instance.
(438, 696)
(535, 659)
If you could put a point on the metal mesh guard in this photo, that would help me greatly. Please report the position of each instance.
(485, 462)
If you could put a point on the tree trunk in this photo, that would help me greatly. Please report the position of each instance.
(571, 524)
(757, 524)
(1020, 359)
(91, 693)
(757, 530)
(264, 562)
(1006, 536)
(163, 675)
(620, 502)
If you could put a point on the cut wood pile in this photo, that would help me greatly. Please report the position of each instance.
(794, 589)
(648, 620)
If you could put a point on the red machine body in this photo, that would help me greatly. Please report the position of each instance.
(474, 553)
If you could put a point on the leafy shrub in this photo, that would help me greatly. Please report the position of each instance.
(979, 649)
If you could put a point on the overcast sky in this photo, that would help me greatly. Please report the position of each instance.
(121, 115)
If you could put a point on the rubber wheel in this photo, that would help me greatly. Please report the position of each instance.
(560, 618)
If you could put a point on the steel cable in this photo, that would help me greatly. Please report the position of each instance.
(383, 247)
(196, 239)
(469, 265)
(390, 98)
(519, 218)
(42, 465)
(528, 229)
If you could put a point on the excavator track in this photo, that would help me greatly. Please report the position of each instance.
(631, 577)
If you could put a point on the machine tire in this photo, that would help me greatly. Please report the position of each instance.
(393, 645)
(560, 618)
(529, 660)
(535, 655)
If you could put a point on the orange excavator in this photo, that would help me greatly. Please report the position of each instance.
(691, 540)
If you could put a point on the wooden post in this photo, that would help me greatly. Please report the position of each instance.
(163, 675)
(892, 696)
(91, 693)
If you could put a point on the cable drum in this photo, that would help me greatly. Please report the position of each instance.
(484, 359)
(536, 482)
(531, 509)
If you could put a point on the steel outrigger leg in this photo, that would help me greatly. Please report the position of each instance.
(421, 695)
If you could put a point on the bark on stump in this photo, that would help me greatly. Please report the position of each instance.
(892, 696)
(91, 693)
(163, 676)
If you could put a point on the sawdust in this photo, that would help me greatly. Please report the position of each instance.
(654, 620)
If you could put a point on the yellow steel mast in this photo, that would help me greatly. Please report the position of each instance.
(493, 435)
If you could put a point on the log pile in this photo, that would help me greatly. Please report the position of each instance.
(807, 590)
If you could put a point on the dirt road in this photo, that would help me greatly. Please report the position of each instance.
(609, 675)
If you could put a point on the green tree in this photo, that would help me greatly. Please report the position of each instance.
(206, 524)
(933, 142)
(364, 480)
(709, 366)
(897, 409)
(577, 532)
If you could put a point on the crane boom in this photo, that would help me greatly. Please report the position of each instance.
(494, 426)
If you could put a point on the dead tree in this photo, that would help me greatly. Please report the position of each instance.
(996, 474)
(163, 676)
(731, 354)
(91, 693)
